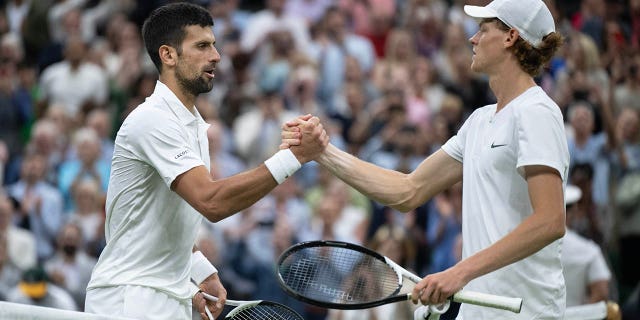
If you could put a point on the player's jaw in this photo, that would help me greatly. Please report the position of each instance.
(198, 82)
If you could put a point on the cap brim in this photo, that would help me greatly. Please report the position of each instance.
(480, 12)
(34, 290)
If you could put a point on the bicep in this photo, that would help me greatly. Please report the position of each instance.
(193, 186)
(435, 174)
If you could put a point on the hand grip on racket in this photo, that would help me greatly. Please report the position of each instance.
(341, 275)
(255, 310)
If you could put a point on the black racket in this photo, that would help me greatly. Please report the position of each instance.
(255, 310)
(341, 275)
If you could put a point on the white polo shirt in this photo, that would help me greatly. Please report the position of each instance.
(494, 149)
(150, 230)
(583, 264)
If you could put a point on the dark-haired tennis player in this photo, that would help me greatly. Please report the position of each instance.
(160, 187)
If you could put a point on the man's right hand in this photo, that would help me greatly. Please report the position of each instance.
(310, 133)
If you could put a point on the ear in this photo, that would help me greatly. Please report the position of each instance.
(511, 37)
(168, 55)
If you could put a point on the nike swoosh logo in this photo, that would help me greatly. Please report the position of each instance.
(493, 145)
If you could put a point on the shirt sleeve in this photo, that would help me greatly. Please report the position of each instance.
(541, 139)
(598, 269)
(163, 143)
(455, 145)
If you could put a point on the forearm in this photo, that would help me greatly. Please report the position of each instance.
(533, 234)
(598, 291)
(231, 195)
(398, 190)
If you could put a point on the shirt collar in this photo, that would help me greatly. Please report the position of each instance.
(164, 94)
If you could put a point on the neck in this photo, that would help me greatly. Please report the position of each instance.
(507, 85)
(188, 100)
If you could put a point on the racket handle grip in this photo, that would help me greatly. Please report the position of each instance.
(489, 300)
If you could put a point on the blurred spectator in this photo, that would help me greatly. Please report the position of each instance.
(100, 120)
(257, 131)
(426, 21)
(585, 269)
(313, 195)
(583, 78)
(4, 160)
(27, 19)
(625, 77)
(424, 93)
(445, 226)
(47, 141)
(229, 20)
(587, 146)
(394, 69)
(36, 289)
(627, 201)
(74, 18)
(224, 163)
(40, 204)
(585, 220)
(70, 268)
(88, 214)
(88, 165)
(262, 23)
(335, 218)
(455, 40)
(19, 245)
(311, 10)
(15, 108)
(332, 45)
(9, 274)
(74, 83)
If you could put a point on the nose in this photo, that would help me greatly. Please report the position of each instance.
(473, 40)
(215, 57)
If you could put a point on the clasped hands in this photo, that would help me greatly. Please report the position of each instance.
(305, 136)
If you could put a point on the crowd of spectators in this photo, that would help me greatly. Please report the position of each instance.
(391, 81)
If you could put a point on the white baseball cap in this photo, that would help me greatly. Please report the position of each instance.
(531, 18)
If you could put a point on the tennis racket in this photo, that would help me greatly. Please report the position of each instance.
(341, 275)
(255, 310)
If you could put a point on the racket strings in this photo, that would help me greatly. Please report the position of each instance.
(266, 312)
(338, 275)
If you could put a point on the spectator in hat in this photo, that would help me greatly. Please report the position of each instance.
(585, 269)
(35, 289)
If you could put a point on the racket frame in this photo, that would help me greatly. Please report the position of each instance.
(470, 297)
(242, 305)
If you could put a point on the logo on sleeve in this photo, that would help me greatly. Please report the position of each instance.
(181, 154)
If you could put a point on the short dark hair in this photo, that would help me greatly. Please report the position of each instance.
(165, 26)
(530, 58)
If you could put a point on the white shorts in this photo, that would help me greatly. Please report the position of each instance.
(136, 302)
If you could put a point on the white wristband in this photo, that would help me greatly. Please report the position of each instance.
(282, 165)
(201, 268)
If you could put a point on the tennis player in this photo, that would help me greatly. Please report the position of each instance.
(160, 187)
(512, 157)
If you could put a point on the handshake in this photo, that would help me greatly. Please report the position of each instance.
(305, 136)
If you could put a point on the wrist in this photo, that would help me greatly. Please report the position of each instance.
(282, 165)
(201, 268)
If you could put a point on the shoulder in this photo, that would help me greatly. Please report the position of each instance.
(53, 70)
(536, 102)
(149, 115)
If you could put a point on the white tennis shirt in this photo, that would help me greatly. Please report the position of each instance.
(494, 148)
(150, 230)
